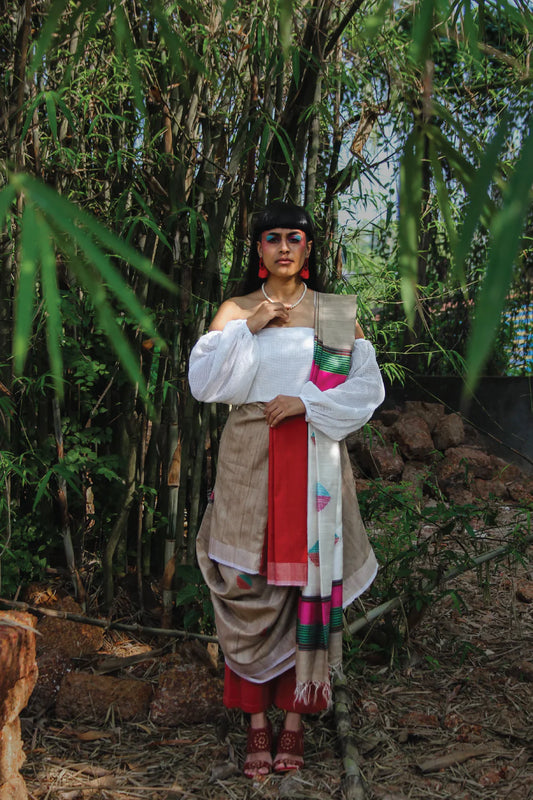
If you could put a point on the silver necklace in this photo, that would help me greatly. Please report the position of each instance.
(289, 308)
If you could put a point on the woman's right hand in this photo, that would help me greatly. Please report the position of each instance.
(267, 313)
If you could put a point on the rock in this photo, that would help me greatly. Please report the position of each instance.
(432, 413)
(487, 490)
(372, 455)
(459, 496)
(186, 695)
(378, 461)
(449, 432)
(385, 462)
(460, 465)
(503, 471)
(416, 473)
(11, 752)
(71, 638)
(52, 666)
(524, 591)
(413, 436)
(521, 492)
(18, 674)
(473, 437)
(90, 697)
(389, 416)
(14, 789)
(17, 650)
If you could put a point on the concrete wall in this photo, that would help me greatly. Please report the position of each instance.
(502, 410)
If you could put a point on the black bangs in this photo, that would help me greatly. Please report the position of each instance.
(282, 215)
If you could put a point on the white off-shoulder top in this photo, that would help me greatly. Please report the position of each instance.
(236, 366)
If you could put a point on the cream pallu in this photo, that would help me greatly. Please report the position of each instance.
(256, 622)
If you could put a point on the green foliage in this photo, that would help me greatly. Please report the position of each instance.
(193, 601)
(417, 547)
(143, 136)
(49, 218)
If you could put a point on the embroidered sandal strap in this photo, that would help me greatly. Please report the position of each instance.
(259, 739)
(291, 742)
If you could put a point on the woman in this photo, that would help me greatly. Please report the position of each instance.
(282, 546)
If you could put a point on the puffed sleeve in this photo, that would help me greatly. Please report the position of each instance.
(223, 364)
(346, 408)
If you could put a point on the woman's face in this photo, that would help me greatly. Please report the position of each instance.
(283, 250)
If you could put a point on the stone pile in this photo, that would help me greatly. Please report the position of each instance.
(178, 688)
(18, 674)
(438, 453)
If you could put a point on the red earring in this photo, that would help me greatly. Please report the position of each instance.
(304, 272)
(263, 272)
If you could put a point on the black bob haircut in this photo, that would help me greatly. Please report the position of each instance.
(279, 215)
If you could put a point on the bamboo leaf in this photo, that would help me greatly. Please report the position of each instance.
(52, 301)
(452, 120)
(25, 297)
(42, 486)
(422, 30)
(177, 47)
(279, 136)
(126, 44)
(443, 199)
(410, 202)
(463, 169)
(50, 27)
(29, 115)
(478, 193)
(470, 30)
(60, 103)
(121, 290)
(106, 319)
(285, 25)
(227, 11)
(49, 99)
(54, 204)
(507, 227)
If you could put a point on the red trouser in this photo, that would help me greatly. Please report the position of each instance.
(256, 697)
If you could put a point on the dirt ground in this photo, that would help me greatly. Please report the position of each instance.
(450, 717)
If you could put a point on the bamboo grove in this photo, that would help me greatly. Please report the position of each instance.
(137, 139)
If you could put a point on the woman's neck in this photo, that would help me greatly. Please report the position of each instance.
(284, 291)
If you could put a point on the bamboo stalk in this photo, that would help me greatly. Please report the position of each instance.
(104, 623)
(353, 787)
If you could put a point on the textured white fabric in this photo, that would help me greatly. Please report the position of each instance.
(235, 366)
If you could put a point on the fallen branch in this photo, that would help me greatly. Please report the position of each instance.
(353, 787)
(456, 756)
(108, 624)
(396, 602)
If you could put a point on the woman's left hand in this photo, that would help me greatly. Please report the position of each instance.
(281, 407)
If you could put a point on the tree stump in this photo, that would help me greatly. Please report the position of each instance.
(18, 674)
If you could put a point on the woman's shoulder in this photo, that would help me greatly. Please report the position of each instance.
(234, 308)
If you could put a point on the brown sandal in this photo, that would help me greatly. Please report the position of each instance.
(259, 740)
(291, 743)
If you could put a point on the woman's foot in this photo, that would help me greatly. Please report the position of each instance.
(290, 748)
(258, 747)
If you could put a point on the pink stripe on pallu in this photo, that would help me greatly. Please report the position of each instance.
(325, 380)
(336, 595)
(314, 612)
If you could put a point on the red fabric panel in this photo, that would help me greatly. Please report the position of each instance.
(256, 697)
(287, 504)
